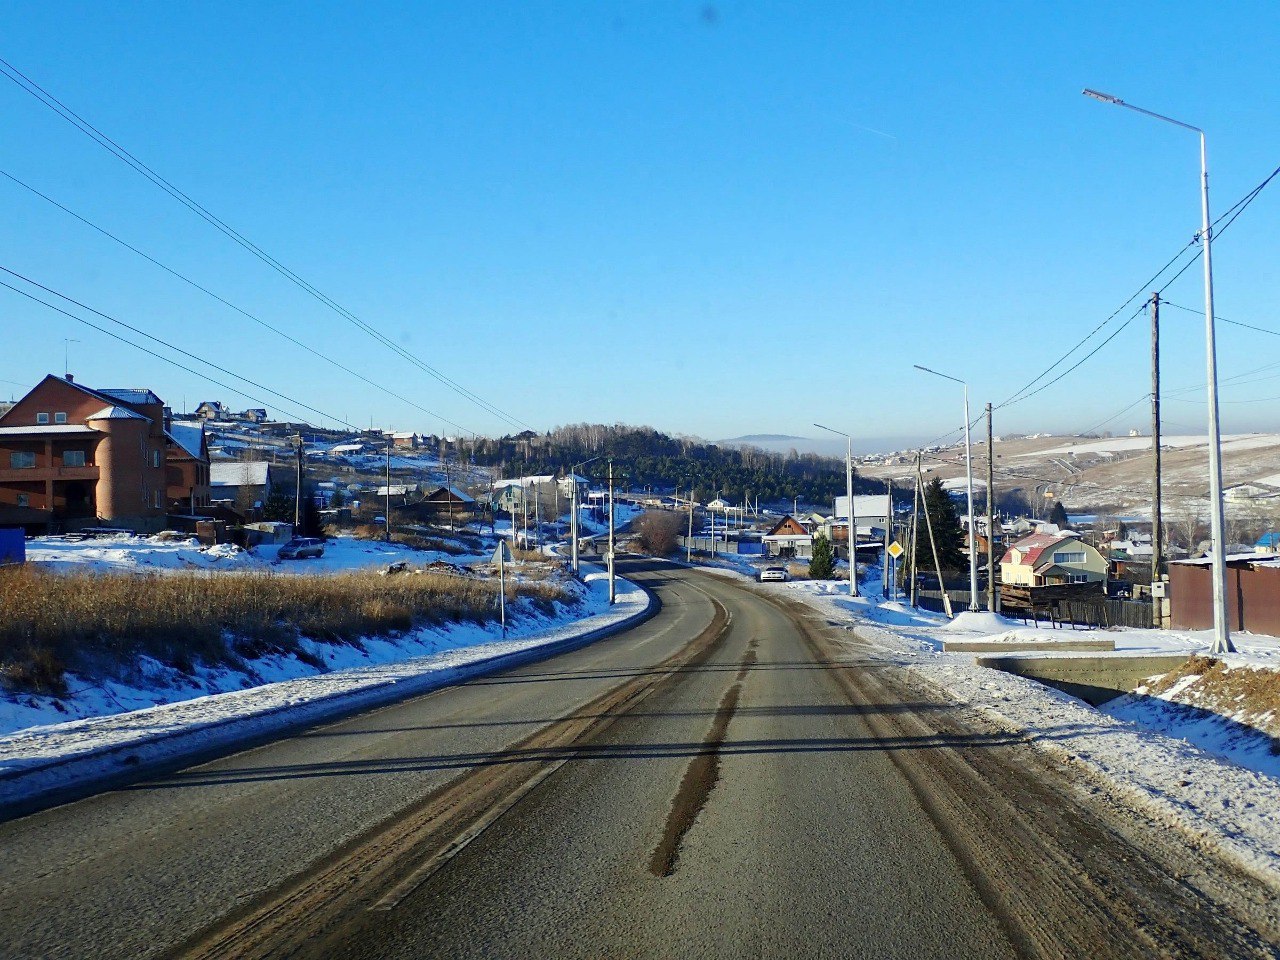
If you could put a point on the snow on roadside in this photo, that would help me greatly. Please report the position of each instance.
(42, 758)
(1208, 798)
(128, 554)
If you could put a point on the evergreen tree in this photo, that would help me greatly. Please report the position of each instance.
(279, 507)
(822, 565)
(946, 529)
(1058, 515)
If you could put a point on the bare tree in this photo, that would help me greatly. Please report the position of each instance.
(658, 532)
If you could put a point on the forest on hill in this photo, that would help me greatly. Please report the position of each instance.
(645, 457)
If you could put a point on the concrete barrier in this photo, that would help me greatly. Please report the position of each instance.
(1006, 646)
(1095, 680)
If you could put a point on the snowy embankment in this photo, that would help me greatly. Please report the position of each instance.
(1176, 782)
(41, 760)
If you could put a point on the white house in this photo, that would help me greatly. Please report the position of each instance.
(870, 511)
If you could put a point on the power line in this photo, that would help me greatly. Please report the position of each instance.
(150, 352)
(228, 303)
(1102, 423)
(1227, 218)
(163, 343)
(47, 99)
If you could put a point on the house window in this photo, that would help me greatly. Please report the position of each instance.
(42, 418)
(1074, 556)
(60, 417)
(1079, 578)
(22, 460)
(157, 500)
(73, 458)
(24, 500)
(155, 458)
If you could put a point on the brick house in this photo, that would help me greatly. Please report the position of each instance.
(73, 457)
(187, 466)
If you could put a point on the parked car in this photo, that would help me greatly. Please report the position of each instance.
(773, 573)
(299, 548)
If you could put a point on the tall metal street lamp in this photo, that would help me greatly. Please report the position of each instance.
(853, 523)
(1221, 627)
(968, 470)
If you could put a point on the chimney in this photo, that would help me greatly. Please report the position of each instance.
(71, 378)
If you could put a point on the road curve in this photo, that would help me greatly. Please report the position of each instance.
(733, 777)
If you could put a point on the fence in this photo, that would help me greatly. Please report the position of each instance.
(1093, 612)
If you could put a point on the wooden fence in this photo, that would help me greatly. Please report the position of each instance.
(1091, 612)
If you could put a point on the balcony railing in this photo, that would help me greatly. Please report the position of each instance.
(40, 474)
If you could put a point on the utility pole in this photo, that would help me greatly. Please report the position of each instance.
(937, 564)
(1157, 520)
(613, 593)
(688, 541)
(387, 515)
(502, 586)
(991, 515)
(297, 498)
(915, 527)
(888, 538)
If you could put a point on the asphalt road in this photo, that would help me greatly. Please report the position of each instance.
(734, 777)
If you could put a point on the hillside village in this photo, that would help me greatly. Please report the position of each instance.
(79, 461)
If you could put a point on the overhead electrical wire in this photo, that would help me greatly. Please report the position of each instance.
(1226, 218)
(164, 343)
(115, 336)
(47, 99)
(205, 290)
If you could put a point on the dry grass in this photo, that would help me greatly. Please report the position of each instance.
(99, 623)
(1250, 697)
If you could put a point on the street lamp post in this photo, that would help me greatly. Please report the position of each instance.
(853, 523)
(573, 518)
(1221, 627)
(968, 470)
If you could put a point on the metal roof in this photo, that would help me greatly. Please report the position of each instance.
(116, 413)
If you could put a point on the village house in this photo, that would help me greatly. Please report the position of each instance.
(73, 457)
(788, 538)
(524, 493)
(212, 410)
(247, 484)
(187, 466)
(1043, 559)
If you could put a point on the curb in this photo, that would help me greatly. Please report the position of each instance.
(63, 779)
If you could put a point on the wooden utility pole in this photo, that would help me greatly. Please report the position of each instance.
(297, 498)
(991, 516)
(387, 517)
(1157, 523)
(888, 538)
(937, 564)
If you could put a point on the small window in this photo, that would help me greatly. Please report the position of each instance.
(24, 500)
(73, 458)
(42, 418)
(155, 458)
(157, 500)
(60, 417)
(22, 460)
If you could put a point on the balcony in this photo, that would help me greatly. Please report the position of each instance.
(39, 474)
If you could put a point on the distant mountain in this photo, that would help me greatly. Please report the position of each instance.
(785, 443)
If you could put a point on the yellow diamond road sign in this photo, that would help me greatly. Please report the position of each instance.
(896, 550)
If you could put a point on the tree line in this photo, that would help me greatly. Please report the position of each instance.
(645, 457)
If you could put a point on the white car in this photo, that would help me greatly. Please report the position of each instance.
(773, 573)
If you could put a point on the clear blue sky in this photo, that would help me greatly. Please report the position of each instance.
(695, 216)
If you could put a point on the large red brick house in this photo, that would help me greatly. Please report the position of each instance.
(74, 457)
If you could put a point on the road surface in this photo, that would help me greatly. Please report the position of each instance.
(734, 777)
